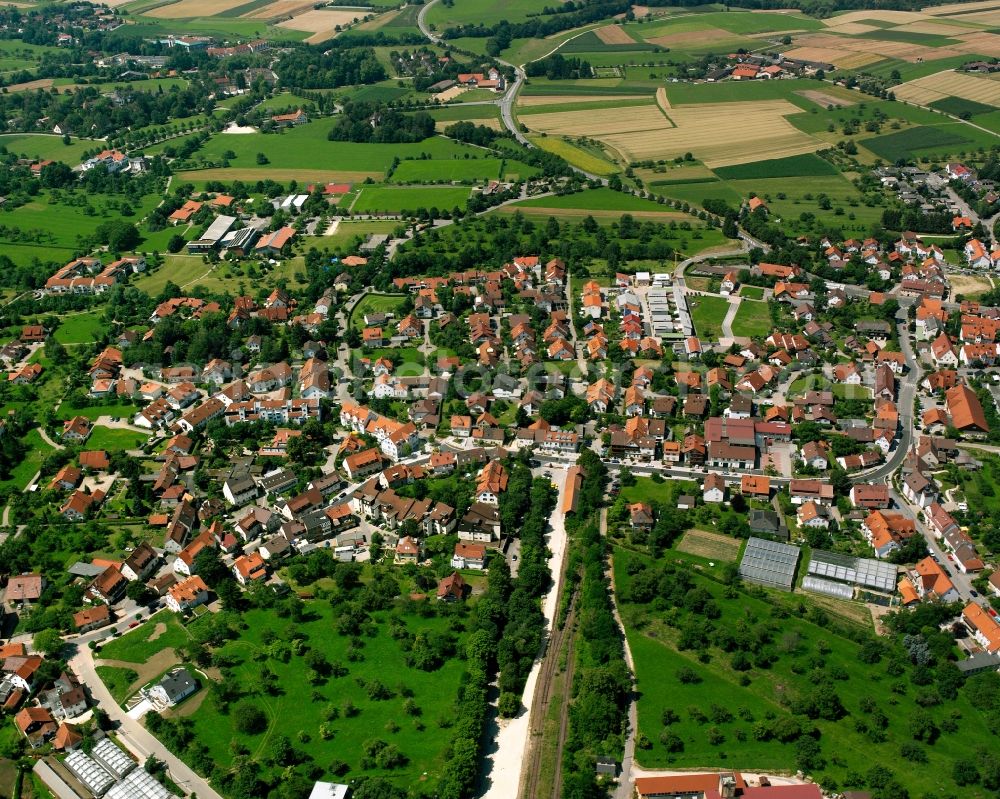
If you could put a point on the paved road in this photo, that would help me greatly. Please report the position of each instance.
(904, 402)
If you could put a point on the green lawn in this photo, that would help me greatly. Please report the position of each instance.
(723, 708)
(114, 439)
(81, 328)
(707, 313)
(117, 680)
(753, 320)
(302, 706)
(752, 292)
(375, 303)
(482, 12)
(395, 199)
(43, 145)
(136, 647)
(122, 410)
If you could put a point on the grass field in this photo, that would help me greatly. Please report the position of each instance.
(81, 328)
(717, 712)
(115, 439)
(752, 292)
(752, 320)
(711, 546)
(140, 644)
(307, 148)
(960, 107)
(805, 165)
(707, 313)
(396, 199)
(482, 12)
(41, 145)
(303, 705)
(907, 143)
(472, 170)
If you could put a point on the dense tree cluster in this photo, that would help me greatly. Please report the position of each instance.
(313, 68)
(370, 122)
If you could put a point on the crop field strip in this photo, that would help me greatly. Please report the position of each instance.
(188, 9)
(614, 34)
(954, 84)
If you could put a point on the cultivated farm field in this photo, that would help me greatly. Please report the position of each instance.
(950, 84)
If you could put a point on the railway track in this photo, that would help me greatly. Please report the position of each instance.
(541, 704)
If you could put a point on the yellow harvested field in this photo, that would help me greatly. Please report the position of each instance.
(320, 20)
(450, 94)
(962, 8)
(487, 122)
(989, 18)
(189, 9)
(661, 98)
(899, 17)
(706, 130)
(935, 28)
(845, 59)
(955, 84)
(707, 36)
(981, 43)
(852, 28)
(279, 9)
(905, 51)
(555, 99)
(599, 122)
(31, 85)
(380, 21)
(614, 34)
(824, 99)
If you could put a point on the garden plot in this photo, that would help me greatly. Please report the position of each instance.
(954, 84)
